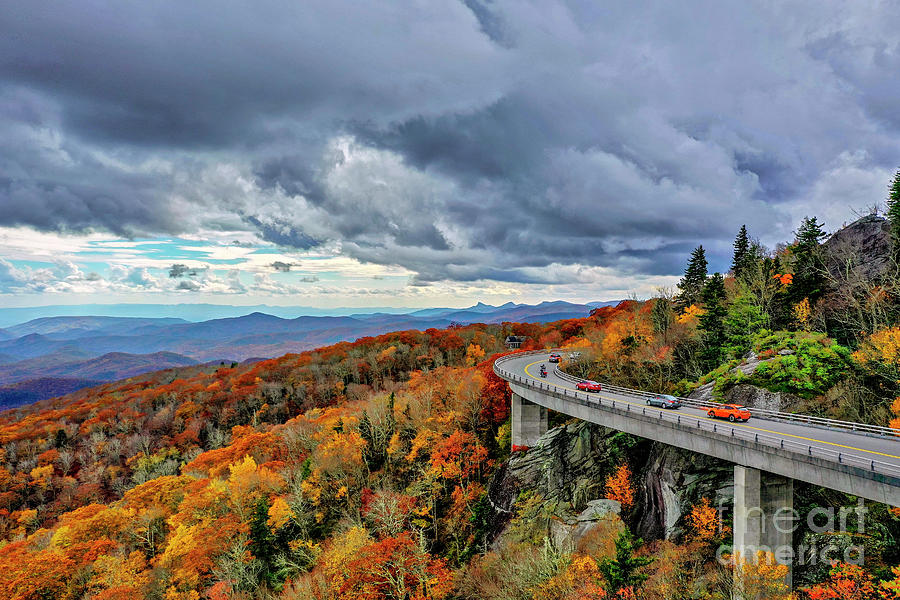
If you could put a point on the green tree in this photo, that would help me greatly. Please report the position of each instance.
(742, 253)
(712, 321)
(691, 285)
(809, 268)
(893, 213)
(262, 542)
(622, 571)
(743, 319)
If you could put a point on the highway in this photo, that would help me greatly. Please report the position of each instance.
(876, 456)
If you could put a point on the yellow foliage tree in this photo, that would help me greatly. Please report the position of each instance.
(691, 315)
(882, 346)
(580, 580)
(248, 482)
(802, 313)
(474, 354)
(120, 573)
(761, 577)
(279, 513)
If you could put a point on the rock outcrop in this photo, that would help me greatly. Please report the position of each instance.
(567, 469)
(864, 246)
(745, 394)
(747, 367)
(756, 397)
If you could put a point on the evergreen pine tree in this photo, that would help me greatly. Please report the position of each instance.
(712, 321)
(893, 213)
(691, 285)
(622, 570)
(809, 269)
(261, 543)
(392, 421)
(741, 253)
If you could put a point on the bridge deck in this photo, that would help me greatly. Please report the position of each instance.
(849, 448)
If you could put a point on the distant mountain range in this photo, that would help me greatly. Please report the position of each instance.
(33, 390)
(47, 354)
(108, 367)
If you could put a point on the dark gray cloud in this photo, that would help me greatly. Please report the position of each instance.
(480, 139)
(282, 266)
(188, 285)
(179, 270)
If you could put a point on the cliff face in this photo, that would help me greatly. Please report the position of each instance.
(864, 247)
(568, 467)
(860, 275)
(671, 481)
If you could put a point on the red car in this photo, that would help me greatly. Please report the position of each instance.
(588, 386)
(732, 412)
(555, 358)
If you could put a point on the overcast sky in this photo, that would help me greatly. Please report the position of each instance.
(416, 153)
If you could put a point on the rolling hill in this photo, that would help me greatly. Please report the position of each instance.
(108, 367)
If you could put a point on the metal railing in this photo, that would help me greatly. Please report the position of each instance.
(689, 422)
(775, 415)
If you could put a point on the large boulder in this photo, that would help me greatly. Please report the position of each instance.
(565, 534)
(704, 393)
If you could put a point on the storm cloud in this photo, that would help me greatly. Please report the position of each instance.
(529, 142)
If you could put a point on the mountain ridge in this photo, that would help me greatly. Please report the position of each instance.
(102, 348)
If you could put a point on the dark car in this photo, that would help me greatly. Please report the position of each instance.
(664, 401)
(588, 386)
(555, 358)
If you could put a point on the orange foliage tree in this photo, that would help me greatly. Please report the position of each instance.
(853, 582)
(704, 521)
(619, 487)
(396, 567)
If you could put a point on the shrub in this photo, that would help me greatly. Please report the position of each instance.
(814, 364)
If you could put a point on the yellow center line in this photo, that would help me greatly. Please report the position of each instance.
(777, 433)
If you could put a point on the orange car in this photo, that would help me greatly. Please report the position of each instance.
(732, 412)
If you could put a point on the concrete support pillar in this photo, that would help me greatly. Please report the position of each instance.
(529, 421)
(763, 517)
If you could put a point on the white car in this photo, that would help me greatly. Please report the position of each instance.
(574, 355)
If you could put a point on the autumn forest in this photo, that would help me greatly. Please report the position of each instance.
(366, 470)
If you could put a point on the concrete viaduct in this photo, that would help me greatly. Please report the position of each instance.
(769, 452)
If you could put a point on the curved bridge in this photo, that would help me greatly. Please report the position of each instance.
(769, 451)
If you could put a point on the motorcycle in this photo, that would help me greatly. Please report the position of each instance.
(543, 371)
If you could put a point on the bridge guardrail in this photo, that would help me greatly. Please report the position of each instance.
(688, 421)
(761, 412)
